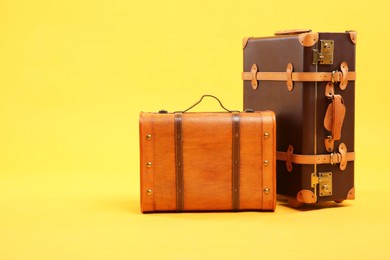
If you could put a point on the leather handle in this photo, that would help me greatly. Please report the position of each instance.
(292, 32)
(219, 101)
(333, 121)
(338, 116)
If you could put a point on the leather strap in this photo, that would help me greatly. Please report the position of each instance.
(336, 76)
(342, 76)
(235, 161)
(179, 163)
(334, 158)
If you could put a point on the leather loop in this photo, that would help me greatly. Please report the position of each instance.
(343, 153)
(344, 79)
(289, 70)
(329, 90)
(329, 143)
(254, 82)
(290, 151)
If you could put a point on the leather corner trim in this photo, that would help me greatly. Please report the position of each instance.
(352, 36)
(289, 70)
(308, 39)
(306, 196)
(245, 41)
(351, 194)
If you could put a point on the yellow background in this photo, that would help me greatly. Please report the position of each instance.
(74, 76)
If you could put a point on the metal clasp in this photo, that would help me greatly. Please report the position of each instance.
(325, 54)
(324, 182)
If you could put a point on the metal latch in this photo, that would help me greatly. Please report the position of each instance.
(325, 54)
(324, 181)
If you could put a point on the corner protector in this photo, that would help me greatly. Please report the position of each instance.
(352, 36)
(245, 41)
(351, 194)
(306, 196)
(308, 39)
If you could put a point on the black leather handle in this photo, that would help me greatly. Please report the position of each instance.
(219, 101)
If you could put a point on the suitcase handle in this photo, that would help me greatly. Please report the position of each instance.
(334, 117)
(219, 101)
(292, 32)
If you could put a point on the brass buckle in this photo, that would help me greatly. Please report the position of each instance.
(334, 73)
(331, 158)
(335, 158)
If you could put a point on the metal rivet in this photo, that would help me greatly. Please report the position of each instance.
(267, 191)
(266, 135)
(149, 192)
(148, 137)
(266, 162)
(149, 164)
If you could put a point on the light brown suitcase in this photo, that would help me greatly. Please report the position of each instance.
(214, 161)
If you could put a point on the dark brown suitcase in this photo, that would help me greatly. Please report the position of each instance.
(214, 161)
(308, 80)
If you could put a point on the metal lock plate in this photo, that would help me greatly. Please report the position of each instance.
(325, 54)
(324, 181)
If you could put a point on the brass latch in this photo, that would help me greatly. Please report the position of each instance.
(324, 181)
(325, 54)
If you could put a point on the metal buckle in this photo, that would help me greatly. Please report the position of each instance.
(333, 76)
(331, 159)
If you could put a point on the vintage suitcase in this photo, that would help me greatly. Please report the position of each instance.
(308, 80)
(220, 161)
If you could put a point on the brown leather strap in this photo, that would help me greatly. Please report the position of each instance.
(235, 161)
(342, 76)
(179, 163)
(334, 158)
(301, 76)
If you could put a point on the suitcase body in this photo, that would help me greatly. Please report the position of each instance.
(308, 80)
(207, 161)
